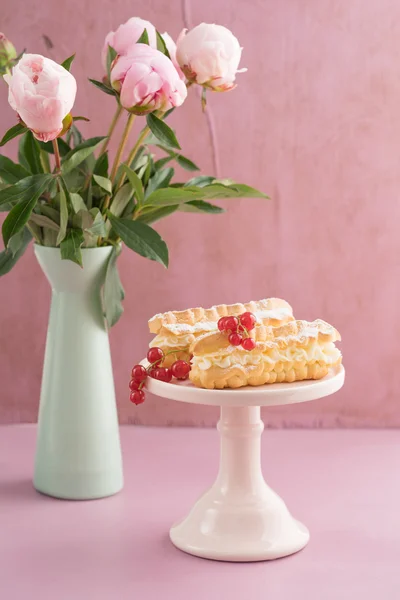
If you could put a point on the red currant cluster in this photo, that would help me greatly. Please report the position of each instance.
(180, 370)
(238, 329)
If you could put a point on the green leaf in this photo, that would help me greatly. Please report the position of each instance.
(11, 172)
(80, 153)
(71, 246)
(245, 191)
(160, 179)
(8, 259)
(68, 62)
(159, 164)
(19, 214)
(63, 147)
(220, 191)
(141, 238)
(162, 131)
(36, 232)
(44, 221)
(15, 242)
(135, 183)
(83, 219)
(98, 226)
(121, 199)
(138, 157)
(77, 202)
(63, 215)
(161, 46)
(80, 118)
(75, 135)
(104, 88)
(104, 183)
(50, 212)
(147, 170)
(89, 195)
(152, 216)
(113, 292)
(171, 195)
(200, 181)
(199, 206)
(186, 163)
(12, 133)
(34, 185)
(30, 149)
(111, 56)
(168, 112)
(144, 38)
(101, 165)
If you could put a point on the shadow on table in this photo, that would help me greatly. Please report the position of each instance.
(19, 490)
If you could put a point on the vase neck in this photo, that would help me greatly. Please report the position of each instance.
(67, 276)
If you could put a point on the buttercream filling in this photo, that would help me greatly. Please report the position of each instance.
(172, 341)
(178, 330)
(327, 353)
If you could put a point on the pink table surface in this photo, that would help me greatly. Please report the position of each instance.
(343, 484)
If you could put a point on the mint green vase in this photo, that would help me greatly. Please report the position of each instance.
(78, 454)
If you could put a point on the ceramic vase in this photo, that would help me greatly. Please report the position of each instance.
(78, 454)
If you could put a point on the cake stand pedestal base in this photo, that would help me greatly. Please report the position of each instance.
(240, 518)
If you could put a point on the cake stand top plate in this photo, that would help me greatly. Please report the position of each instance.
(264, 395)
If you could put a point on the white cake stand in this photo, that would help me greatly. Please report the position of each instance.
(240, 518)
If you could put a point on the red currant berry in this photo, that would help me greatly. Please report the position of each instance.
(139, 373)
(221, 323)
(155, 356)
(248, 320)
(180, 369)
(134, 385)
(235, 339)
(137, 397)
(163, 374)
(231, 323)
(248, 344)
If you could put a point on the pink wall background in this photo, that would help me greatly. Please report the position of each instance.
(315, 123)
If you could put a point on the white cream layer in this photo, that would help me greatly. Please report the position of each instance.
(179, 329)
(172, 341)
(327, 353)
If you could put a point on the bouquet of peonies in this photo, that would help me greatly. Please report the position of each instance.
(65, 191)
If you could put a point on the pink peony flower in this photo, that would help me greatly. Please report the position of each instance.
(147, 81)
(43, 93)
(126, 37)
(171, 47)
(209, 55)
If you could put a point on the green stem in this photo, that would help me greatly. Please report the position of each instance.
(145, 132)
(57, 156)
(113, 124)
(118, 156)
(122, 145)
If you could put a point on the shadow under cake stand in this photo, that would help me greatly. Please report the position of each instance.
(240, 518)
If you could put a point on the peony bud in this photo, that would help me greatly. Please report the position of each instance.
(147, 81)
(209, 55)
(126, 36)
(7, 53)
(43, 93)
(171, 47)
